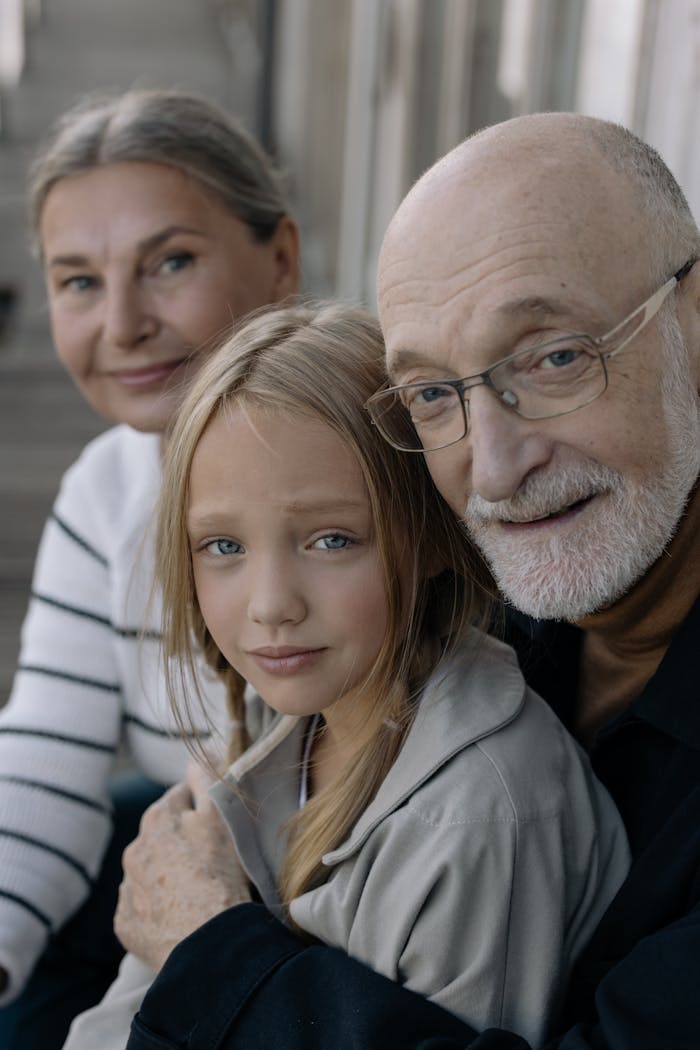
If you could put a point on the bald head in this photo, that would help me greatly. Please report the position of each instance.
(562, 166)
(554, 202)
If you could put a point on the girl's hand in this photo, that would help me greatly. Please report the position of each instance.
(180, 871)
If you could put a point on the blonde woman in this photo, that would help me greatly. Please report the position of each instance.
(412, 802)
(157, 220)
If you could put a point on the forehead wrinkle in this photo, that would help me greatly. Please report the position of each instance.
(482, 262)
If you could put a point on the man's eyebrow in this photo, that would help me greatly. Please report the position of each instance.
(155, 240)
(533, 304)
(527, 306)
(398, 360)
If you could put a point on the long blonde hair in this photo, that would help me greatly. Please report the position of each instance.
(323, 363)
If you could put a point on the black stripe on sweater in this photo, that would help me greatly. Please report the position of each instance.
(148, 727)
(74, 609)
(17, 836)
(66, 676)
(28, 906)
(122, 632)
(59, 738)
(71, 796)
(79, 539)
(138, 633)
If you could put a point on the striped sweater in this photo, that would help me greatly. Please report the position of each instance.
(88, 686)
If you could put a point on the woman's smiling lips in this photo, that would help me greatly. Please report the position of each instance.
(285, 659)
(149, 375)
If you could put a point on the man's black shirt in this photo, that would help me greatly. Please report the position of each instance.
(244, 981)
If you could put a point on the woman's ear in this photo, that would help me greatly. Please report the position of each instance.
(285, 246)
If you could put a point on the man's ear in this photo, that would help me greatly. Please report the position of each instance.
(286, 247)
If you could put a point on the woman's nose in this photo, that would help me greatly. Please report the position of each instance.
(127, 321)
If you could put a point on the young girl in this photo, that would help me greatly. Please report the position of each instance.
(412, 802)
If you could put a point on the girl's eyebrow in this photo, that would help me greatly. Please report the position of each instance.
(213, 519)
(323, 506)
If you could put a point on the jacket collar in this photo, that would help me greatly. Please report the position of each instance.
(549, 654)
(473, 694)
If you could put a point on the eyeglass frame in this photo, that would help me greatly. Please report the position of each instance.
(649, 309)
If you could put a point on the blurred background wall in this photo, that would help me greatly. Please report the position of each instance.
(355, 98)
(365, 94)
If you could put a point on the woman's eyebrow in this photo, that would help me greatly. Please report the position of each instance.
(154, 240)
(161, 236)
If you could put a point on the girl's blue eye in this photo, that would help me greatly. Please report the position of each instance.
(222, 546)
(334, 541)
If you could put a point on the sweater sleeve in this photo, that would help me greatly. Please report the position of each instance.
(59, 733)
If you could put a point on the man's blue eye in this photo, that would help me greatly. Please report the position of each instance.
(434, 393)
(561, 358)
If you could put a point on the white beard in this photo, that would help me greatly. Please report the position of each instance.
(568, 572)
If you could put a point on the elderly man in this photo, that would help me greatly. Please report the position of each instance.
(541, 307)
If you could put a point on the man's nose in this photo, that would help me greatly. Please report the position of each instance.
(127, 320)
(276, 596)
(504, 447)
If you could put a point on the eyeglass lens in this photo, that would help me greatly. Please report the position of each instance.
(536, 383)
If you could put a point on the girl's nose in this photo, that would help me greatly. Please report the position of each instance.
(275, 598)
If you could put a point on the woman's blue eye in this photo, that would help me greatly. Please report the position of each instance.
(333, 542)
(176, 262)
(222, 546)
(79, 283)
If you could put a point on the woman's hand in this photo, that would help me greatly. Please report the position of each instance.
(180, 871)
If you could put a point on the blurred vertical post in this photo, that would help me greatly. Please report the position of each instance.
(11, 49)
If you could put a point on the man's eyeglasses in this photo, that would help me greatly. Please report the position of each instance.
(539, 382)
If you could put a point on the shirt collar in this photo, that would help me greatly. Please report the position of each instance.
(670, 699)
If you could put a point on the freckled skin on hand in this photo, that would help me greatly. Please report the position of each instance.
(180, 871)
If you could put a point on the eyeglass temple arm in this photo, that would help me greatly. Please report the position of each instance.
(645, 312)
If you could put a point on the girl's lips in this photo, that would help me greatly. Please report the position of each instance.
(286, 661)
(149, 376)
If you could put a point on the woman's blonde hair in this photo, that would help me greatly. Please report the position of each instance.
(176, 128)
(323, 363)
